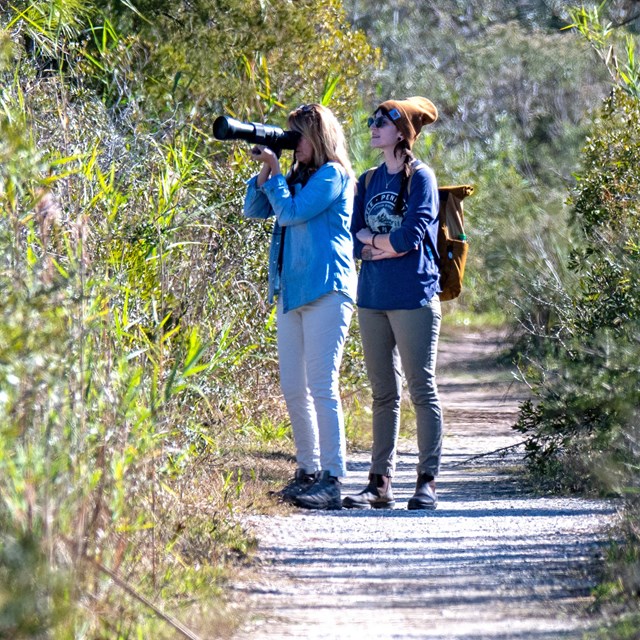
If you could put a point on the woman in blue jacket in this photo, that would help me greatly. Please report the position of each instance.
(395, 227)
(312, 277)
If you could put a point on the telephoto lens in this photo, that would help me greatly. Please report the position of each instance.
(226, 128)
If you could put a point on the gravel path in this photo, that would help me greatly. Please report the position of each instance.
(493, 561)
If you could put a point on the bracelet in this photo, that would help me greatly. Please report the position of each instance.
(373, 239)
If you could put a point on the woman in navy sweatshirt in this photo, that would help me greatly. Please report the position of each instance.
(395, 230)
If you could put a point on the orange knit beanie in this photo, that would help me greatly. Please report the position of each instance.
(410, 115)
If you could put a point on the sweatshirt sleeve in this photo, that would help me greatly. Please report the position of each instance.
(422, 211)
(357, 221)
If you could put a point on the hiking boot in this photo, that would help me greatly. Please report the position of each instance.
(301, 482)
(425, 495)
(377, 495)
(324, 493)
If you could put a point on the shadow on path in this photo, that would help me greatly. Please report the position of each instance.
(494, 561)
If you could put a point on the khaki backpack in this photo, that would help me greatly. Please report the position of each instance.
(452, 240)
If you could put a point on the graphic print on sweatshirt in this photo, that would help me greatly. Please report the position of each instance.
(380, 215)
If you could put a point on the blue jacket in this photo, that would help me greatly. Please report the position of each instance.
(318, 247)
(410, 281)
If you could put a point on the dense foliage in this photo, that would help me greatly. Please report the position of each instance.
(582, 426)
(136, 347)
(138, 382)
(589, 386)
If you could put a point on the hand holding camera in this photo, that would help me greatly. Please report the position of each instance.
(262, 153)
(271, 164)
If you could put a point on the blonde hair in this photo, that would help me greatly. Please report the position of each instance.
(323, 131)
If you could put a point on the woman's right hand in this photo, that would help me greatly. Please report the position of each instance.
(371, 252)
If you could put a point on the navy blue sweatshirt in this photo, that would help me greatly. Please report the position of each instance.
(410, 281)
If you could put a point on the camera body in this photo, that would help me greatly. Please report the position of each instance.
(277, 139)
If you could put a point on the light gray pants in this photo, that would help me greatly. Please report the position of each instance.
(403, 340)
(310, 346)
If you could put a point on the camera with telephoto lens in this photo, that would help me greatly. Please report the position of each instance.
(277, 139)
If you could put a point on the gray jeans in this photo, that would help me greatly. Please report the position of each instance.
(394, 341)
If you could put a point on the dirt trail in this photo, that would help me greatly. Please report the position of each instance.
(494, 561)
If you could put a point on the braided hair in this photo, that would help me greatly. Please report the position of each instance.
(402, 148)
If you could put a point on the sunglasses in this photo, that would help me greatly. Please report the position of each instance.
(304, 108)
(378, 122)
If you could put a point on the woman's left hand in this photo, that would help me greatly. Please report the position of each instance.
(266, 155)
(271, 164)
(364, 235)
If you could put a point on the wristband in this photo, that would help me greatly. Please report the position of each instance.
(373, 239)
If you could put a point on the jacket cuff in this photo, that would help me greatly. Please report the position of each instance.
(274, 183)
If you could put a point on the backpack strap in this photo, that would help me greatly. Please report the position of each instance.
(367, 178)
(414, 168)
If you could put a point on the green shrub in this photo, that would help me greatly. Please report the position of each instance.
(137, 351)
(587, 388)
